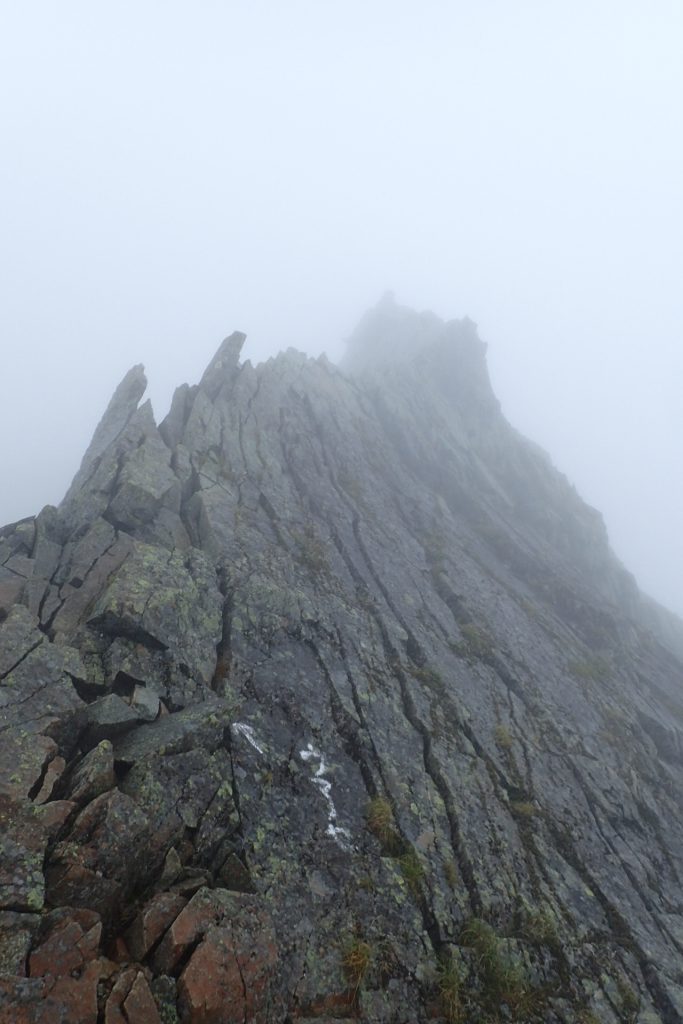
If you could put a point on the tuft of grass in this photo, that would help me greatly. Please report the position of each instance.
(451, 873)
(380, 819)
(530, 609)
(523, 809)
(503, 982)
(384, 960)
(476, 643)
(311, 551)
(35, 899)
(480, 936)
(540, 929)
(629, 1000)
(503, 737)
(356, 960)
(435, 549)
(450, 985)
(412, 871)
(593, 669)
(350, 483)
(431, 676)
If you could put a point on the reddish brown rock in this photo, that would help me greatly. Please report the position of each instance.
(49, 1000)
(228, 978)
(139, 1006)
(73, 939)
(113, 1013)
(59, 954)
(203, 910)
(78, 995)
(103, 858)
(69, 968)
(151, 923)
(131, 1001)
(53, 773)
(118, 951)
(211, 989)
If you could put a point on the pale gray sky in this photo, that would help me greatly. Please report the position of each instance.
(172, 171)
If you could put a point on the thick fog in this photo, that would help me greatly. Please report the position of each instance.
(172, 171)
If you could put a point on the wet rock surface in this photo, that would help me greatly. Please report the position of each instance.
(325, 699)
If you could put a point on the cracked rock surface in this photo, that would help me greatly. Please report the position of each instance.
(326, 698)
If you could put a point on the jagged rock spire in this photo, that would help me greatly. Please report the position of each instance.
(122, 405)
(224, 364)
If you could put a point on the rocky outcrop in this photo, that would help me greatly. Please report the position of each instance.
(326, 698)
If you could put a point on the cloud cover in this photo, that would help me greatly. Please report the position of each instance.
(175, 171)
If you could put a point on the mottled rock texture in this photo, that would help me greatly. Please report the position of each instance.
(326, 698)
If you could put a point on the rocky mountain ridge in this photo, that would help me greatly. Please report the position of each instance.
(326, 698)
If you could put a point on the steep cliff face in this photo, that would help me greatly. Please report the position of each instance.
(326, 698)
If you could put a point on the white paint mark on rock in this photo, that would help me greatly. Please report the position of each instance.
(249, 735)
(340, 835)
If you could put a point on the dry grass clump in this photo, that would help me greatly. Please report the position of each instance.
(503, 982)
(356, 960)
(412, 871)
(477, 644)
(503, 737)
(522, 809)
(450, 994)
(380, 819)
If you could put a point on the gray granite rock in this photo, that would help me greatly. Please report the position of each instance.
(399, 724)
(93, 775)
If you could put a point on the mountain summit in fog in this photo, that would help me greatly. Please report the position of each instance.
(326, 698)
